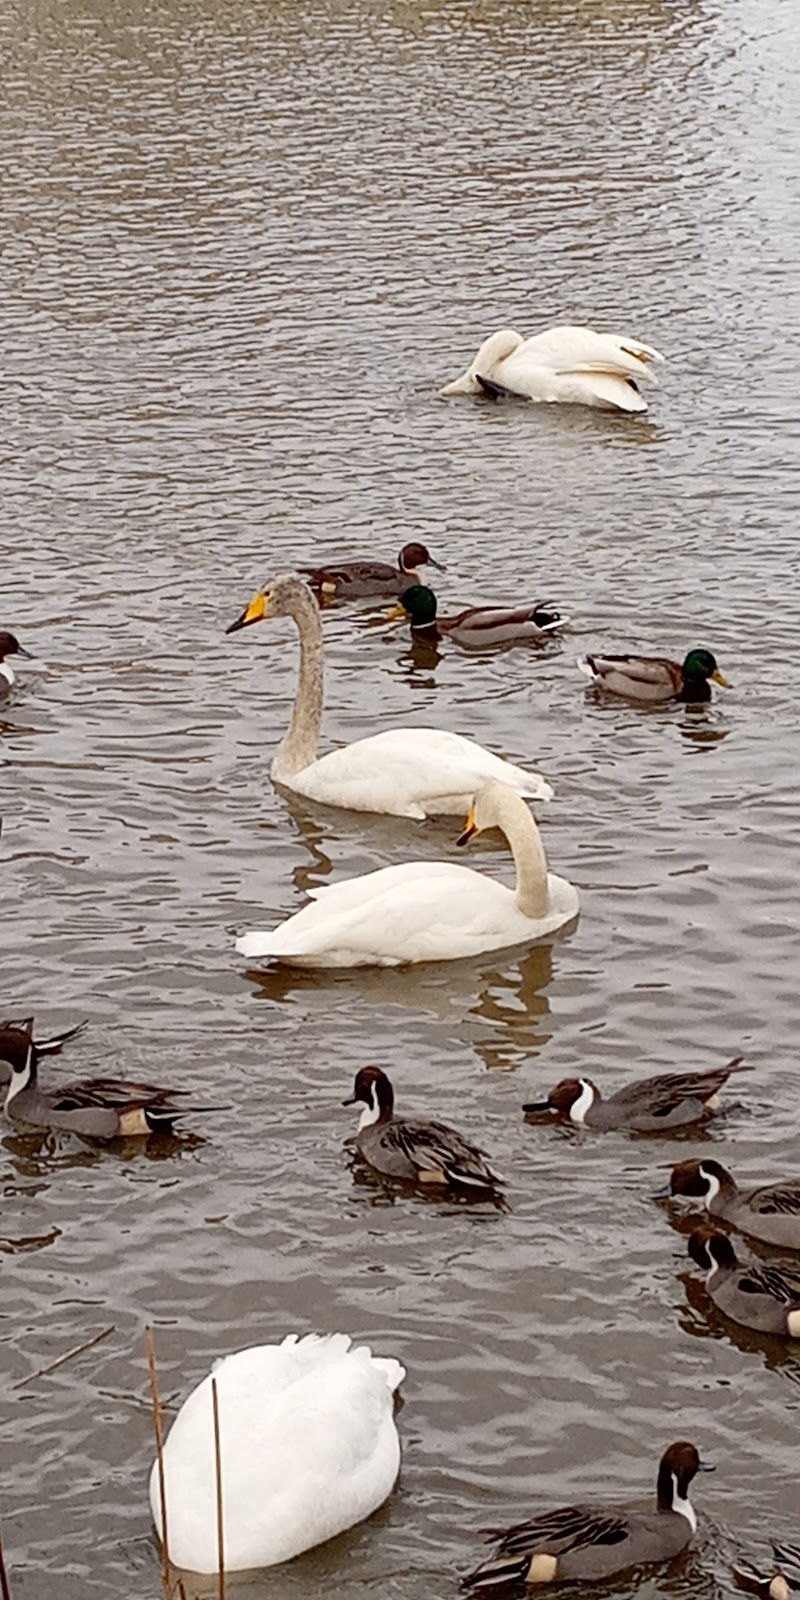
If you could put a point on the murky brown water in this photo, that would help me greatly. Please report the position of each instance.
(243, 245)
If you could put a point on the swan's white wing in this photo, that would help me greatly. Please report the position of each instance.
(572, 349)
(412, 772)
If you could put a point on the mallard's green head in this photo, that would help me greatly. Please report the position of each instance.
(701, 664)
(420, 604)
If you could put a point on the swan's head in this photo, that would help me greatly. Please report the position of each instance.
(279, 598)
(494, 349)
(701, 664)
(490, 809)
(417, 603)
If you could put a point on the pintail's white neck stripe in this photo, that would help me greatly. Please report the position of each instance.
(579, 1107)
(713, 1182)
(20, 1080)
(372, 1112)
(5, 671)
(683, 1507)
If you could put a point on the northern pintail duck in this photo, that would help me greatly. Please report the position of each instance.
(593, 1543)
(654, 678)
(412, 1150)
(651, 1105)
(9, 646)
(308, 1447)
(770, 1213)
(780, 1582)
(358, 580)
(570, 365)
(97, 1108)
(9, 1042)
(758, 1296)
(478, 625)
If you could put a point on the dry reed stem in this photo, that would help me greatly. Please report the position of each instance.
(218, 1469)
(77, 1350)
(166, 1564)
(5, 1592)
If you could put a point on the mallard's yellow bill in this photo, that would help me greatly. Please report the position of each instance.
(719, 677)
(255, 612)
(398, 613)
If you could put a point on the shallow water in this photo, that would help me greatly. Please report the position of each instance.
(244, 246)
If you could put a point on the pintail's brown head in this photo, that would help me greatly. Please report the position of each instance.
(373, 1089)
(703, 1180)
(571, 1098)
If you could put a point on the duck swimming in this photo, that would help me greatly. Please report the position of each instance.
(770, 1213)
(11, 1044)
(96, 1108)
(570, 365)
(478, 625)
(755, 1295)
(308, 1447)
(358, 580)
(650, 1105)
(654, 678)
(779, 1582)
(411, 1150)
(402, 772)
(428, 910)
(9, 646)
(593, 1543)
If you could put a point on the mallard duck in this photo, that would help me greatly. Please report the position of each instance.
(357, 580)
(593, 1543)
(650, 1105)
(479, 625)
(428, 910)
(403, 772)
(412, 1150)
(655, 678)
(770, 1213)
(9, 646)
(97, 1108)
(308, 1447)
(780, 1582)
(755, 1295)
(572, 365)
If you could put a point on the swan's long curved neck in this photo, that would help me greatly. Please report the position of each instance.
(530, 860)
(298, 748)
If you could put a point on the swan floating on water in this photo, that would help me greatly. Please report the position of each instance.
(573, 366)
(428, 910)
(308, 1447)
(402, 772)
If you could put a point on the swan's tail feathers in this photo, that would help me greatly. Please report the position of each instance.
(256, 944)
(535, 787)
(613, 389)
(585, 665)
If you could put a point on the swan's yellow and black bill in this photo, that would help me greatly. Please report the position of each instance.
(719, 677)
(470, 827)
(255, 612)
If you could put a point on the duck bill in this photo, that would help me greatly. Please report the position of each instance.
(439, 565)
(706, 1466)
(352, 1100)
(27, 654)
(398, 613)
(533, 1107)
(255, 612)
(719, 677)
(470, 827)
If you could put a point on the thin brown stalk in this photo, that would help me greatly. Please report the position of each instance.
(166, 1564)
(77, 1350)
(5, 1592)
(218, 1468)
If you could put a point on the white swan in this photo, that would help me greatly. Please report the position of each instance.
(572, 365)
(428, 910)
(308, 1447)
(404, 772)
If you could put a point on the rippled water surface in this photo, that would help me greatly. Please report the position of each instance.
(244, 244)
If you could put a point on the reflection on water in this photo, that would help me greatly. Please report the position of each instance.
(244, 245)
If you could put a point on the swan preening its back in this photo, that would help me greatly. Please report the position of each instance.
(403, 772)
(568, 365)
(428, 910)
(308, 1447)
